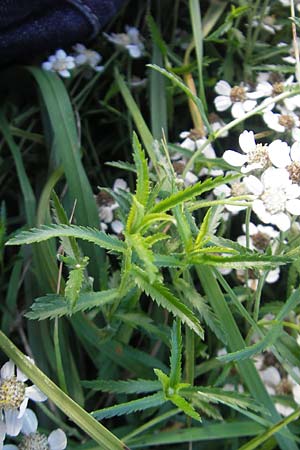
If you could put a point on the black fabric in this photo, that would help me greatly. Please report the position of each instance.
(28, 27)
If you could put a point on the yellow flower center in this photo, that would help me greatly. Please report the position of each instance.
(34, 441)
(12, 393)
(237, 94)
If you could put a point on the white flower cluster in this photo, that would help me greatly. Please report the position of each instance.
(15, 418)
(130, 41)
(107, 206)
(62, 63)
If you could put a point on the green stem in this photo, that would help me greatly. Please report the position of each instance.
(72, 410)
(194, 6)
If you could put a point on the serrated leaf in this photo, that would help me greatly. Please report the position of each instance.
(154, 238)
(46, 232)
(135, 216)
(191, 192)
(213, 249)
(140, 404)
(168, 261)
(123, 387)
(166, 299)
(229, 398)
(256, 261)
(164, 379)
(74, 285)
(149, 219)
(185, 407)
(53, 305)
(142, 182)
(248, 352)
(203, 231)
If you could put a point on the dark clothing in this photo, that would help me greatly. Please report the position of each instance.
(28, 27)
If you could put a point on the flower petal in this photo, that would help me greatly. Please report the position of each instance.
(295, 152)
(282, 221)
(237, 110)
(30, 422)
(247, 141)
(13, 422)
(248, 105)
(293, 206)
(35, 394)
(223, 88)
(57, 440)
(279, 153)
(7, 370)
(254, 185)
(23, 407)
(234, 158)
(222, 102)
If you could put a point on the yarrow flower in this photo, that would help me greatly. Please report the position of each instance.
(286, 121)
(276, 197)
(14, 396)
(255, 155)
(60, 62)
(107, 205)
(33, 440)
(86, 56)
(130, 40)
(261, 236)
(236, 97)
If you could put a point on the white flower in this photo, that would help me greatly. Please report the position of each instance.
(288, 3)
(234, 189)
(269, 87)
(60, 63)
(14, 396)
(255, 157)
(268, 23)
(283, 122)
(56, 440)
(276, 196)
(86, 56)
(285, 157)
(130, 40)
(261, 236)
(236, 97)
(252, 281)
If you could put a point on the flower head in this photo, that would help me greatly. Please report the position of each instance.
(285, 121)
(236, 97)
(86, 56)
(130, 40)
(33, 440)
(255, 155)
(276, 197)
(60, 62)
(14, 396)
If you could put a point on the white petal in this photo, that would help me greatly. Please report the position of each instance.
(271, 120)
(234, 158)
(237, 110)
(190, 178)
(293, 206)
(2, 431)
(279, 153)
(254, 185)
(7, 370)
(21, 376)
(10, 447)
(64, 73)
(223, 88)
(47, 65)
(222, 102)
(57, 440)
(60, 54)
(247, 141)
(296, 134)
(248, 105)
(282, 221)
(273, 276)
(120, 184)
(284, 410)
(134, 50)
(222, 190)
(30, 422)
(23, 407)
(296, 393)
(292, 191)
(189, 144)
(260, 210)
(35, 394)
(273, 177)
(13, 423)
(270, 376)
(295, 152)
(117, 226)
